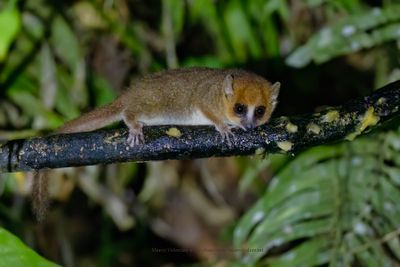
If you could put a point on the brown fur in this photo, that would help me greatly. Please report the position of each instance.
(40, 194)
(176, 93)
(252, 90)
(95, 119)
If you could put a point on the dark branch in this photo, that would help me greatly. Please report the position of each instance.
(280, 135)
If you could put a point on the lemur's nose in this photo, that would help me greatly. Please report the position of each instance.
(249, 125)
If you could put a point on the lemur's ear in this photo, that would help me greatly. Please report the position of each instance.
(228, 85)
(274, 94)
(275, 90)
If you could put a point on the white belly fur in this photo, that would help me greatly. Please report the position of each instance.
(196, 118)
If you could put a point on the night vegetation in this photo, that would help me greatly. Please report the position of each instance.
(325, 201)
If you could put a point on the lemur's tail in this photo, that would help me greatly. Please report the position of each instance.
(95, 119)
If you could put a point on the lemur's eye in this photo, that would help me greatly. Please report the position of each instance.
(259, 112)
(240, 109)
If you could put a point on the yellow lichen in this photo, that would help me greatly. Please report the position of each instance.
(369, 119)
(285, 145)
(109, 139)
(381, 100)
(313, 128)
(283, 120)
(291, 128)
(174, 132)
(351, 136)
(331, 116)
(260, 151)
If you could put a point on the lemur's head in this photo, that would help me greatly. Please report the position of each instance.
(249, 99)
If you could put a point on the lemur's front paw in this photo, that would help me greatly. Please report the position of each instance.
(226, 133)
(136, 136)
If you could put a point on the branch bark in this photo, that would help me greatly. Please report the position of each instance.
(288, 135)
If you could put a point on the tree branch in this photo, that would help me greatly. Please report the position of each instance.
(280, 135)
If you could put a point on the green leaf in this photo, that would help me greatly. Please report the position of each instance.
(315, 3)
(65, 43)
(206, 11)
(69, 100)
(366, 30)
(283, 186)
(300, 57)
(306, 254)
(251, 174)
(10, 24)
(271, 37)
(34, 107)
(240, 32)
(205, 61)
(345, 194)
(176, 8)
(13, 252)
(48, 78)
(103, 91)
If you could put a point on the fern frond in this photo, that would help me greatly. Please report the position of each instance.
(335, 205)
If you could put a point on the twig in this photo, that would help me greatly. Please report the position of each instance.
(283, 134)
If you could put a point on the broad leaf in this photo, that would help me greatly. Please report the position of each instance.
(14, 253)
(332, 205)
(366, 30)
(10, 24)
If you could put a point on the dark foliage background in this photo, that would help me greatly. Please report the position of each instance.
(332, 205)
